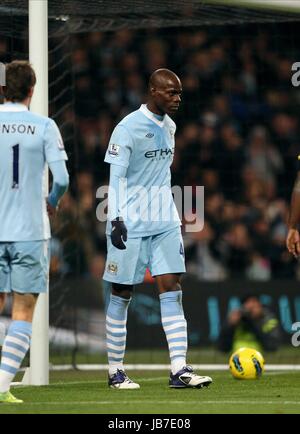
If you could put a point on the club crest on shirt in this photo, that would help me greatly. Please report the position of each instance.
(61, 146)
(112, 268)
(113, 150)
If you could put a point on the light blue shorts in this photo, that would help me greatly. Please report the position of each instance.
(162, 254)
(24, 266)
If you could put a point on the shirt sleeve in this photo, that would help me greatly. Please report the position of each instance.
(116, 192)
(53, 143)
(120, 147)
(60, 181)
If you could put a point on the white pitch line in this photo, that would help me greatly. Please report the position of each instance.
(74, 383)
(198, 402)
(162, 367)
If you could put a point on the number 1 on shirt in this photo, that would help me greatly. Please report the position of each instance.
(16, 153)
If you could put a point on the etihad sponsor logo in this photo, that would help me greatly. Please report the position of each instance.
(160, 153)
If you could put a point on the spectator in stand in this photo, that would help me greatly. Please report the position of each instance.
(238, 132)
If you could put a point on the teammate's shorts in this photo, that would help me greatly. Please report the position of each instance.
(24, 266)
(162, 254)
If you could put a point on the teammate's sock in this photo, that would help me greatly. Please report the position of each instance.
(174, 325)
(15, 347)
(116, 319)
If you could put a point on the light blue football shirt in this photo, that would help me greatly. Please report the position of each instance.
(144, 144)
(27, 142)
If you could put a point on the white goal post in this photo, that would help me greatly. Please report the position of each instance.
(38, 372)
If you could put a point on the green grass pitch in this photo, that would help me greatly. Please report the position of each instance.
(87, 392)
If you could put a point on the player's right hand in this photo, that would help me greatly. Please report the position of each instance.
(118, 233)
(293, 242)
(51, 210)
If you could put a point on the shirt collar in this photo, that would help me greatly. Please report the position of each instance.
(13, 107)
(157, 119)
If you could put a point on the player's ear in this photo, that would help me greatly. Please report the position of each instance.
(152, 90)
(31, 90)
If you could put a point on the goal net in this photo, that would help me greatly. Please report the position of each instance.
(237, 135)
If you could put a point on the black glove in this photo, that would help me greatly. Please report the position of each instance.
(118, 233)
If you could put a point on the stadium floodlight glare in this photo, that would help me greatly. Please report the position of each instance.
(280, 5)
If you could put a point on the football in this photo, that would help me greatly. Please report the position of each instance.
(246, 364)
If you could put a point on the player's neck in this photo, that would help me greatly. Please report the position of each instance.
(25, 102)
(154, 110)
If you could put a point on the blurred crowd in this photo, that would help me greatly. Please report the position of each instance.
(237, 135)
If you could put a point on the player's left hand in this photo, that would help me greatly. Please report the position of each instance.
(51, 210)
(293, 242)
(118, 233)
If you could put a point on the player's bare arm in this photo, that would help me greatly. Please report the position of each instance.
(293, 238)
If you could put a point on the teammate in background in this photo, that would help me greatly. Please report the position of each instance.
(293, 238)
(140, 154)
(28, 142)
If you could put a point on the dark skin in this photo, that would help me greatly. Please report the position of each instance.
(2, 301)
(51, 210)
(164, 94)
(164, 97)
(293, 238)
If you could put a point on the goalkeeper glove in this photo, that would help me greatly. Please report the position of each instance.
(118, 233)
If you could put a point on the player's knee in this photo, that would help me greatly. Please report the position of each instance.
(169, 286)
(2, 301)
(23, 306)
(124, 291)
(170, 282)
